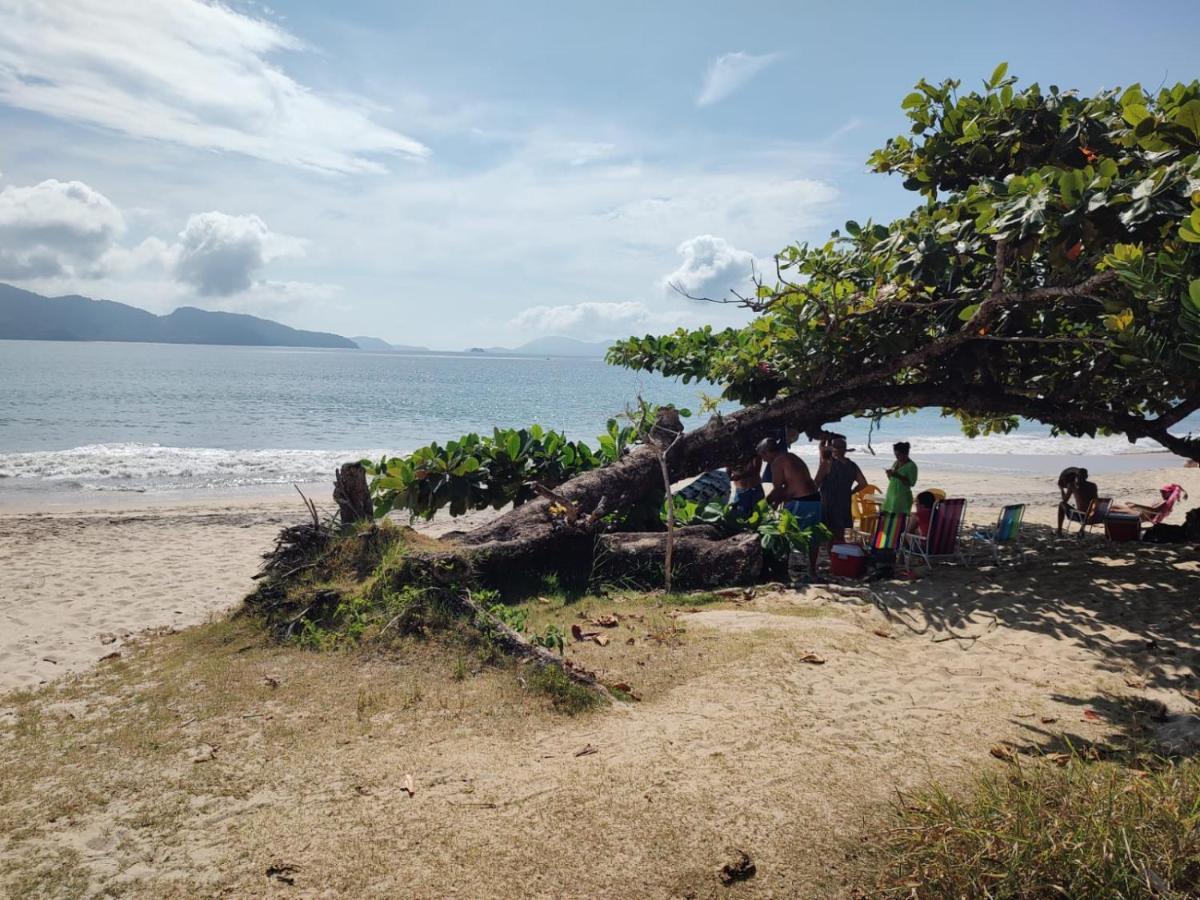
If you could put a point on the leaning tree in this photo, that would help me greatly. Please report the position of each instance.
(1051, 272)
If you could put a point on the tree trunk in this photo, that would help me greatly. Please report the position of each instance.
(701, 558)
(528, 537)
(351, 494)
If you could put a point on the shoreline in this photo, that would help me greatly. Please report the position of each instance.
(25, 495)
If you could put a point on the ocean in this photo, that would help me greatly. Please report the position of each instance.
(158, 418)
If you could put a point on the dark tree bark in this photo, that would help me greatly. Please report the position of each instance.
(701, 558)
(351, 494)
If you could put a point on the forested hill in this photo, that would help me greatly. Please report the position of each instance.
(25, 316)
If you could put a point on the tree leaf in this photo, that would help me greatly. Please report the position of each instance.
(998, 75)
(967, 312)
(1188, 116)
(1134, 113)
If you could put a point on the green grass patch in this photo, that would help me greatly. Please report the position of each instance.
(1063, 828)
(565, 695)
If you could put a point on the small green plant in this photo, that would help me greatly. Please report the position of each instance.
(460, 669)
(551, 638)
(565, 695)
(512, 616)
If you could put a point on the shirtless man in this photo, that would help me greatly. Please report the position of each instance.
(793, 488)
(1083, 493)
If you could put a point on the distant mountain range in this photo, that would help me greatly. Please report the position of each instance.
(550, 346)
(381, 346)
(25, 316)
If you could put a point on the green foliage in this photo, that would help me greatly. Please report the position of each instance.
(476, 472)
(781, 534)
(778, 529)
(1027, 194)
(552, 638)
(1079, 829)
(512, 616)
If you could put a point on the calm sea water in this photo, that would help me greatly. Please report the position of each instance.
(96, 416)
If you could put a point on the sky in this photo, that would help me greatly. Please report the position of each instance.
(475, 173)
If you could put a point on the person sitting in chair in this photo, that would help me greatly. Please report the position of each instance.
(1078, 498)
(1170, 493)
(920, 522)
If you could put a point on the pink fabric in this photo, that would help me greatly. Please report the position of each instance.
(1172, 493)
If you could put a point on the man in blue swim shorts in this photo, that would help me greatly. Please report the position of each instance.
(793, 488)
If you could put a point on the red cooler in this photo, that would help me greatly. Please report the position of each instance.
(847, 561)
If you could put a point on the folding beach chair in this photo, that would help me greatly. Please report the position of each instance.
(945, 523)
(888, 532)
(1096, 514)
(1175, 493)
(1007, 530)
(884, 541)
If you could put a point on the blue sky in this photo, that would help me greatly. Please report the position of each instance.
(457, 174)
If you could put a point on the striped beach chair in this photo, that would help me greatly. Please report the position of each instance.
(883, 542)
(888, 532)
(1006, 531)
(945, 523)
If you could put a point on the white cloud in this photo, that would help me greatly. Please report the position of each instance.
(220, 254)
(186, 71)
(711, 267)
(56, 228)
(590, 320)
(746, 206)
(729, 72)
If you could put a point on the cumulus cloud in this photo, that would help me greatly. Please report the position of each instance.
(730, 72)
(219, 254)
(710, 267)
(591, 320)
(56, 228)
(188, 71)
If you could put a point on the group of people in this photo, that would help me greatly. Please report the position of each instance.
(823, 497)
(1079, 493)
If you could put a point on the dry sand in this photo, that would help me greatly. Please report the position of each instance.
(74, 585)
(210, 762)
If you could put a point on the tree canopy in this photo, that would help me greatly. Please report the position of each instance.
(1051, 270)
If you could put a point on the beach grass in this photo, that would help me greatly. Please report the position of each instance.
(1062, 826)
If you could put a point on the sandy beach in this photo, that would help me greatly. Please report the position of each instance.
(76, 584)
(214, 761)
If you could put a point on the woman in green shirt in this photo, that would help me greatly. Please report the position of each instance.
(901, 478)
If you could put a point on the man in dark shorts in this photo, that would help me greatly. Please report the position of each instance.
(1078, 496)
(747, 485)
(792, 488)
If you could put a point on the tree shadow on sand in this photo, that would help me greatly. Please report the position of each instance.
(1132, 607)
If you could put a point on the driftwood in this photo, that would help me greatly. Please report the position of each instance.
(351, 494)
(701, 558)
